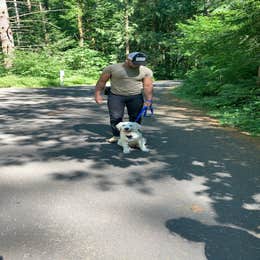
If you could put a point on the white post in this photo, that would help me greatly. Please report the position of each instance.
(62, 74)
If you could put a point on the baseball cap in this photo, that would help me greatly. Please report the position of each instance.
(138, 58)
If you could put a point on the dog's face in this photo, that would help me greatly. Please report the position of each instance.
(128, 127)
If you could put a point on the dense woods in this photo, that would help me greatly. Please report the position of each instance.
(213, 45)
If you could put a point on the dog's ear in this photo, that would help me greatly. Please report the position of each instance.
(119, 125)
(137, 126)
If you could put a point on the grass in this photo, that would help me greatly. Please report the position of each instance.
(38, 82)
(244, 117)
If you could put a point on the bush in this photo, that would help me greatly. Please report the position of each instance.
(77, 62)
(36, 64)
(89, 62)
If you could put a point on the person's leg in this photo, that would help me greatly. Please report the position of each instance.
(134, 105)
(116, 105)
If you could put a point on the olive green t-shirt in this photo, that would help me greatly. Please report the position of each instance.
(127, 81)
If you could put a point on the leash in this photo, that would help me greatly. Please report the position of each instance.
(143, 112)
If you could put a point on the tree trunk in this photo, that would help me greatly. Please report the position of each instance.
(206, 7)
(6, 35)
(29, 4)
(46, 4)
(17, 21)
(44, 22)
(258, 76)
(127, 46)
(80, 24)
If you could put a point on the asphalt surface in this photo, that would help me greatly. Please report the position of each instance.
(67, 194)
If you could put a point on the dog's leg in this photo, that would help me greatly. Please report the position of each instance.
(142, 145)
(126, 148)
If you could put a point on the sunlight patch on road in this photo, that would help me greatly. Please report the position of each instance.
(223, 174)
(197, 163)
(186, 118)
(37, 171)
(12, 138)
(255, 205)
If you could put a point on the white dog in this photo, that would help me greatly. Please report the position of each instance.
(131, 136)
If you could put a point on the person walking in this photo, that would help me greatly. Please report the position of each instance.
(131, 87)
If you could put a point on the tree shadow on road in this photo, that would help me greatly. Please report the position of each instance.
(65, 125)
(221, 242)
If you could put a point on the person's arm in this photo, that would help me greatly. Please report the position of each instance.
(100, 86)
(148, 91)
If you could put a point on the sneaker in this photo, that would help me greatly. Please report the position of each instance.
(113, 139)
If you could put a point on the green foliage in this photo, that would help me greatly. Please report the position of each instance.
(90, 62)
(224, 42)
(19, 81)
(156, 33)
(37, 64)
(223, 53)
(151, 28)
(235, 106)
(245, 117)
(81, 65)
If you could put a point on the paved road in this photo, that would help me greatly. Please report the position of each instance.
(67, 194)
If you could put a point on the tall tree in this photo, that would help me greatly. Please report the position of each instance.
(44, 23)
(156, 31)
(29, 4)
(80, 7)
(6, 35)
(18, 22)
(127, 46)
